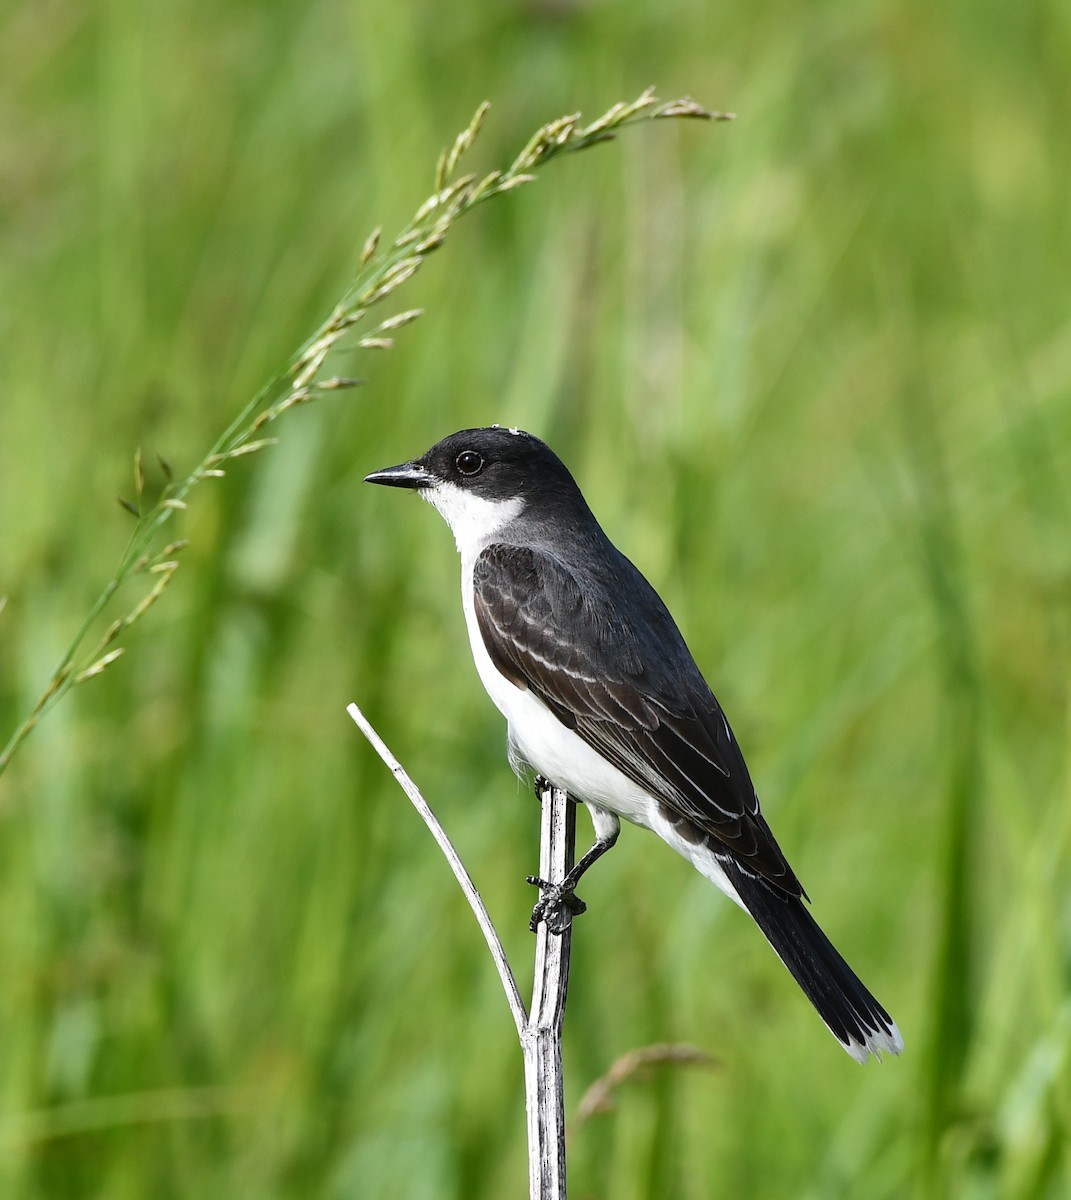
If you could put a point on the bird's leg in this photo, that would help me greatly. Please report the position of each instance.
(558, 901)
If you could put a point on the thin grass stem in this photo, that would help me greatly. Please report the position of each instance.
(381, 272)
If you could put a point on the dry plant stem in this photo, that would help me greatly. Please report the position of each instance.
(599, 1098)
(541, 1033)
(541, 1041)
(380, 272)
(464, 879)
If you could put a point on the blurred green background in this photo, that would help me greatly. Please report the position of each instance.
(813, 371)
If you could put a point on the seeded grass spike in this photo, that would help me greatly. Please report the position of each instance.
(381, 271)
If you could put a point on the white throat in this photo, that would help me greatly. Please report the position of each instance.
(474, 520)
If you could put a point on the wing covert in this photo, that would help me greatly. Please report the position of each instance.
(562, 636)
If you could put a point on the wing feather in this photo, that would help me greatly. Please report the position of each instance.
(631, 691)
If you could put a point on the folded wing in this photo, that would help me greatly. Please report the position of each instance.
(630, 689)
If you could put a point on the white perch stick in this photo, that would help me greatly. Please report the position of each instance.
(464, 879)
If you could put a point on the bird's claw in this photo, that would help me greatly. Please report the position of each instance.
(557, 905)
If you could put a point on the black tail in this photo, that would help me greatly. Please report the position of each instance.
(854, 1017)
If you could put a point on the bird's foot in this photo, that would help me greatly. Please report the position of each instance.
(557, 905)
(541, 783)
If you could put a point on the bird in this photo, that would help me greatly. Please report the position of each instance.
(603, 699)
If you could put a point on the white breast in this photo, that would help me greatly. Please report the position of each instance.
(539, 740)
(542, 742)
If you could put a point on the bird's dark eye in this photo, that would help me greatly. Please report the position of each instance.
(469, 462)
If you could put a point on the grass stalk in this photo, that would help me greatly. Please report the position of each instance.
(381, 271)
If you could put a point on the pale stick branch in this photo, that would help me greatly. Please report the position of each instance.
(541, 1034)
(464, 879)
(541, 1040)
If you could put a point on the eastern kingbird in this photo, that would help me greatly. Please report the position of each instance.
(603, 698)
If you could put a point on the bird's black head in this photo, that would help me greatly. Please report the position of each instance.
(494, 462)
(495, 465)
(481, 478)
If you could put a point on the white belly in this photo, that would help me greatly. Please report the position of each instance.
(542, 742)
(545, 744)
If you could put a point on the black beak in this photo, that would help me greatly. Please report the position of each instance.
(406, 475)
